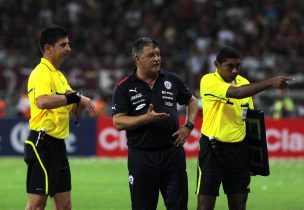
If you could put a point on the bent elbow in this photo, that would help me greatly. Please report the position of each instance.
(117, 126)
(41, 104)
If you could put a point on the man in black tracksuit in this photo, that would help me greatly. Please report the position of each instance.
(145, 105)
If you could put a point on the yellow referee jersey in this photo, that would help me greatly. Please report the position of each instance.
(45, 79)
(222, 116)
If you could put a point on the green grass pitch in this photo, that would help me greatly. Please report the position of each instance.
(102, 184)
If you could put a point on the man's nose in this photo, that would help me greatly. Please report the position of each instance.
(68, 48)
(235, 69)
(156, 57)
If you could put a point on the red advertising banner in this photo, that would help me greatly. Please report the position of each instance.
(110, 142)
(285, 138)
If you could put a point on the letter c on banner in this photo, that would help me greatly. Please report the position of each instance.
(274, 140)
(18, 135)
(104, 139)
(70, 141)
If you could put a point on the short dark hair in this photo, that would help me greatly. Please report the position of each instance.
(50, 35)
(140, 43)
(226, 53)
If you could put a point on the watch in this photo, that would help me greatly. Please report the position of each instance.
(189, 125)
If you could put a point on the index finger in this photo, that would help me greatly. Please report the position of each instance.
(92, 110)
(290, 79)
(163, 114)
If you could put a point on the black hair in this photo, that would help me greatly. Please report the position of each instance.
(226, 53)
(50, 35)
(140, 43)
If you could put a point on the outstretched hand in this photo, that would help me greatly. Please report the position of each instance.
(154, 116)
(281, 82)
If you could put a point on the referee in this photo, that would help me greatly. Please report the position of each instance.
(51, 102)
(223, 156)
(145, 105)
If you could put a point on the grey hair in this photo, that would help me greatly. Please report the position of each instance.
(142, 42)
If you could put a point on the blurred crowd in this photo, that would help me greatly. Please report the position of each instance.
(268, 33)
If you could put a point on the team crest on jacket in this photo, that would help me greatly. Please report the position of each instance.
(168, 85)
(131, 179)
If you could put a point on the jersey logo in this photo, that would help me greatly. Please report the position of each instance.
(131, 179)
(168, 85)
(114, 107)
(133, 90)
(168, 103)
(140, 106)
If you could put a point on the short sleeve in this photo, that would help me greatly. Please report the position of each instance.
(120, 102)
(42, 84)
(212, 88)
(184, 94)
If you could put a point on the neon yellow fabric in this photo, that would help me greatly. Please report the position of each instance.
(280, 106)
(222, 116)
(46, 80)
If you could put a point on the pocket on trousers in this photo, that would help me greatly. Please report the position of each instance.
(29, 153)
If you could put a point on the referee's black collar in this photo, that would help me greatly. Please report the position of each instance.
(134, 77)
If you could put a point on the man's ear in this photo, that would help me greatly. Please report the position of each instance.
(136, 59)
(217, 64)
(47, 47)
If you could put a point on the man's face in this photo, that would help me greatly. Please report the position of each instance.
(229, 69)
(150, 59)
(61, 49)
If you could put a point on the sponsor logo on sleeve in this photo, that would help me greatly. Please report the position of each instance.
(133, 90)
(114, 107)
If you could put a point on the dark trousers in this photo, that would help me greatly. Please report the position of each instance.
(161, 170)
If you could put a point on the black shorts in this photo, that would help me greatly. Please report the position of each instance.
(160, 170)
(48, 166)
(226, 163)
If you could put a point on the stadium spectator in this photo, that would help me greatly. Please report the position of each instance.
(223, 157)
(269, 34)
(2, 108)
(145, 105)
(23, 106)
(51, 101)
(283, 106)
(100, 105)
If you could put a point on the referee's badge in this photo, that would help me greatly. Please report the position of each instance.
(168, 85)
(131, 179)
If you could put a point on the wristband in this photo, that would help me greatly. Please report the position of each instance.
(73, 98)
